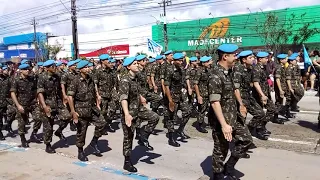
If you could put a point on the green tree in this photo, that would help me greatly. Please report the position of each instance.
(283, 34)
(51, 51)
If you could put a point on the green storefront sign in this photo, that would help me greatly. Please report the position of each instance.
(238, 29)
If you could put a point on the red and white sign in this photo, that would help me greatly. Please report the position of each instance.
(117, 50)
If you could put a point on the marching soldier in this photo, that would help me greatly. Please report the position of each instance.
(23, 94)
(227, 124)
(5, 86)
(84, 110)
(47, 93)
(155, 78)
(177, 98)
(191, 72)
(134, 111)
(281, 87)
(261, 91)
(201, 89)
(243, 83)
(293, 78)
(167, 62)
(105, 83)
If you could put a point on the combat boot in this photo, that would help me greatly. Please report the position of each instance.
(265, 130)
(94, 146)
(201, 128)
(138, 133)
(143, 140)
(73, 127)
(49, 149)
(35, 138)
(1, 136)
(109, 128)
(172, 141)
(276, 120)
(24, 142)
(229, 168)
(181, 133)
(59, 134)
(128, 165)
(218, 176)
(260, 134)
(81, 155)
(288, 114)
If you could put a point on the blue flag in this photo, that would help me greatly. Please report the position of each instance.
(154, 47)
(307, 60)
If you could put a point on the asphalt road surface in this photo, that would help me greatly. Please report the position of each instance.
(288, 154)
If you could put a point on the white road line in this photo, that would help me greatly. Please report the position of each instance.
(308, 112)
(290, 141)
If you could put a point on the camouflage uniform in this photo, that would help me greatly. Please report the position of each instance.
(221, 88)
(106, 81)
(191, 73)
(11, 108)
(201, 79)
(25, 90)
(243, 81)
(84, 96)
(260, 75)
(293, 74)
(48, 84)
(130, 90)
(175, 80)
(5, 85)
(280, 73)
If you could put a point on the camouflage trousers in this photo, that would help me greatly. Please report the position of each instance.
(144, 114)
(11, 113)
(23, 119)
(182, 104)
(242, 140)
(108, 109)
(279, 99)
(2, 114)
(270, 106)
(297, 95)
(48, 123)
(202, 109)
(155, 99)
(254, 108)
(64, 117)
(95, 117)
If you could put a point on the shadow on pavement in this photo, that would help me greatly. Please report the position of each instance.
(139, 151)
(309, 125)
(103, 145)
(70, 140)
(206, 166)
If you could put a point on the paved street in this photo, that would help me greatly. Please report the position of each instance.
(289, 154)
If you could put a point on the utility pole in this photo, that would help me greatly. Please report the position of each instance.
(165, 34)
(35, 41)
(74, 29)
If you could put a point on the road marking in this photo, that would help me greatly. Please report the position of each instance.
(290, 141)
(308, 112)
(136, 176)
(13, 147)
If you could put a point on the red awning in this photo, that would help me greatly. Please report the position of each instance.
(117, 50)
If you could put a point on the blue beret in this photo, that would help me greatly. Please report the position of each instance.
(104, 57)
(39, 63)
(293, 57)
(178, 56)
(4, 67)
(151, 60)
(192, 59)
(282, 56)
(24, 66)
(24, 61)
(262, 54)
(82, 64)
(228, 48)
(129, 60)
(205, 58)
(58, 63)
(71, 63)
(140, 57)
(168, 52)
(159, 57)
(48, 63)
(112, 60)
(90, 64)
(245, 53)
(77, 60)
